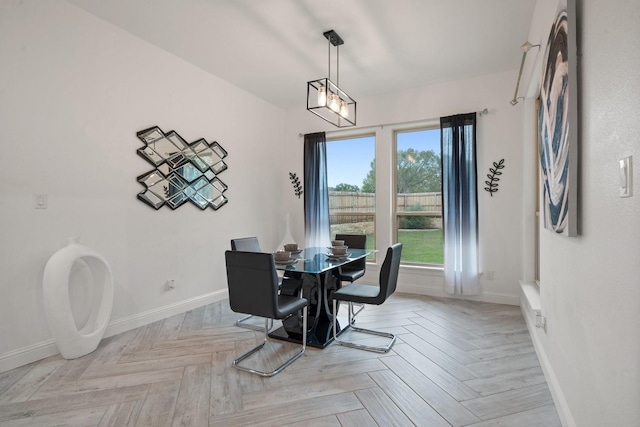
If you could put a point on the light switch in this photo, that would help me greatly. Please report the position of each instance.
(626, 186)
(41, 201)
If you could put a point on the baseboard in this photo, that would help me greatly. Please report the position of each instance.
(132, 322)
(28, 354)
(552, 380)
(41, 350)
(492, 297)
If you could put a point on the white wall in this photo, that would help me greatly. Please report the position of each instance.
(589, 285)
(499, 135)
(74, 90)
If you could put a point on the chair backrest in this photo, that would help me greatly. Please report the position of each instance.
(389, 271)
(253, 283)
(246, 244)
(357, 241)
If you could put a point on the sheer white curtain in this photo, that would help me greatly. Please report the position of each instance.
(316, 191)
(460, 203)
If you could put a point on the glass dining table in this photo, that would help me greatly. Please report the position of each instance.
(315, 274)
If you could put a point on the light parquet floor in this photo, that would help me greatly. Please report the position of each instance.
(455, 363)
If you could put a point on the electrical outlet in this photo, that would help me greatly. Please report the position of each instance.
(541, 321)
(40, 201)
(490, 275)
(170, 285)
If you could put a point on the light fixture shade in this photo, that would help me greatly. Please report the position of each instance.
(344, 110)
(322, 95)
(342, 115)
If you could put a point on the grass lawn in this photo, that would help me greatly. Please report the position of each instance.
(422, 246)
(425, 246)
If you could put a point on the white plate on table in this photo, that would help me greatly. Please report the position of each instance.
(287, 262)
(334, 256)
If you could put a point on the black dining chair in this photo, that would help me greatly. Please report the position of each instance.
(355, 269)
(366, 294)
(247, 244)
(253, 289)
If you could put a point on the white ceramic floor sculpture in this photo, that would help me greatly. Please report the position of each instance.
(73, 341)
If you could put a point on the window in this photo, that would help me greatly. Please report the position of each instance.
(351, 181)
(418, 210)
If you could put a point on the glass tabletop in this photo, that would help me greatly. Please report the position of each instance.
(317, 260)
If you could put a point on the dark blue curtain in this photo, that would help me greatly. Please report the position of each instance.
(460, 203)
(316, 191)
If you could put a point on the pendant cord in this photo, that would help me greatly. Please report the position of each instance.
(338, 66)
(329, 55)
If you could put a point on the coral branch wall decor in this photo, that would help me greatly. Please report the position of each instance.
(183, 172)
(492, 184)
(297, 186)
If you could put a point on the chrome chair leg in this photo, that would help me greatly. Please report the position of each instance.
(279, 369)
(353, 317)
(384, 349)
(240, 323)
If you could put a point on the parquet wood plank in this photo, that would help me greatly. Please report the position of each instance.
(70, 402)
(111, 382)
(442, 346)
(510, 402)
(442, 360)
(226, 391)
(193, 320)
(289, 394)
(507, 381)
(435, 373)
(179, 351)
(382, 409)
(158, 408)
(505, 364)
(499, 351)
(544, 416)
(122, 414)
(452, 410)
(147, 365)
(410, 403)
(360, 418)
(8, 378)
(438, 334)
(111, 349)
(330, 421)
(76, 418)
(29, 384)
(457, 362)
(291, 414)
(192, 407)
(170, 329)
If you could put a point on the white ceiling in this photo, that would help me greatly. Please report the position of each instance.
(271, 48)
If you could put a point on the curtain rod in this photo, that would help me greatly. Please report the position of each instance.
(481, 113)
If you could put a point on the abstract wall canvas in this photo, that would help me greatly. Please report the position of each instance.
(557, 127)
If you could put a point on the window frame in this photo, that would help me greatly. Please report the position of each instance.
(395, 214)
(342, 136)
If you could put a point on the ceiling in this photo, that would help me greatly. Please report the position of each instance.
(271, 48)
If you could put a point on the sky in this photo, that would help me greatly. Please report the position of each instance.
(349, 160)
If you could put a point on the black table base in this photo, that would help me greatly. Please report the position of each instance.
(317, 289)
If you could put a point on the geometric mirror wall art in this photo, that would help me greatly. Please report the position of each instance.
(182, 172)
(557, 127)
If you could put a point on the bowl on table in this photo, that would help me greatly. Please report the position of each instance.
(291, 247)
(282, 256)
(339, 250)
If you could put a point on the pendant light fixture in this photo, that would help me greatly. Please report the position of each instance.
(325, 98)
